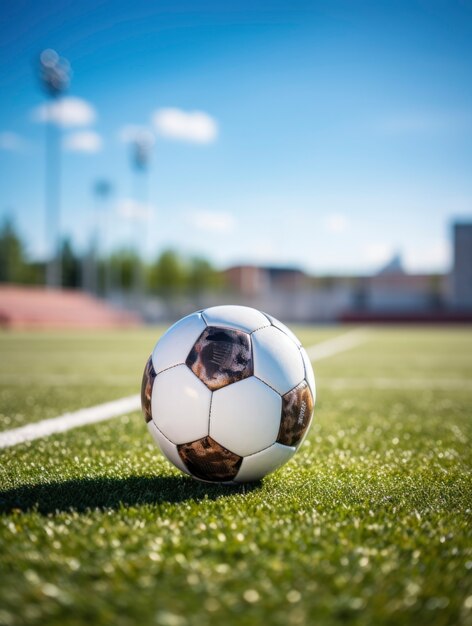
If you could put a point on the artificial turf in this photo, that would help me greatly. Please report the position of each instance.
(369, 524)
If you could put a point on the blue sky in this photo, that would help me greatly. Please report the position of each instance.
(330, 134)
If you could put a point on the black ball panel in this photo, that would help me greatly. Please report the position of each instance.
(221, 356)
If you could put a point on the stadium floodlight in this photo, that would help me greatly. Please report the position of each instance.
(141, 147)
(54, 74)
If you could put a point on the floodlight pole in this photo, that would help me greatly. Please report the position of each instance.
(141, 154)
(53, 164)
(102, 190)
(54, 74)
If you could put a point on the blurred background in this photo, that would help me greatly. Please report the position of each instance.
(312, 159)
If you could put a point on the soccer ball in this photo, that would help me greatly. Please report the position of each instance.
(228, 394)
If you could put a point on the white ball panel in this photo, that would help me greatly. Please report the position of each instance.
(245, 416)
(277, 360)
(257, 465)
(285, 329)
(309, 374)
(168, 449)
(174, 346)
(238, 317)
(180, 405)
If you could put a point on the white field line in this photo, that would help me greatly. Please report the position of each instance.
(338, 344)
(444, 384)
(106, 411)
(60, 424)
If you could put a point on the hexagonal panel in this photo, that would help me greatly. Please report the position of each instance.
(221, 357)
(245, 417)
(208, 460)
(146, 389)
(168, 449)
(277, 360)
(297, 409)
(256, 466)
(285, 329)
(309, 374)
(174, 346)
(238, 317)
(180, 405)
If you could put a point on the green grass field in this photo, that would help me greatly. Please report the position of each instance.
(369, 524)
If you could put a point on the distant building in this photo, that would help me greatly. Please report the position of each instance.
(392, 289)
(251, 280)
(391, 294)
(394, 266)
(462, 269)
(248, 280)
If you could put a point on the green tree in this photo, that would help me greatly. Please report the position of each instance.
(123, 266)
(71, 265)
(202, 276)
(168, 275)
(12, 255)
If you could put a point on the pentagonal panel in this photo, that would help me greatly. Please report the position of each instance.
(277, 360)
(221, 357)
(180, 405)
(309, 374)
(297, 408)
(168, 449)
(285, 329)
(208, 460)
(174, 346)
(245, 417)
(232, 316)
(257, 465)
(146, 389)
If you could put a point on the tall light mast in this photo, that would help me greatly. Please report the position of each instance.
(54, 74)
(141, 148)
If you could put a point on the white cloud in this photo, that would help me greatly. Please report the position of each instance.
(83, 141)
(192, 126)
(131, 132)
(134, 211)
(11, 141)
(336, 223)
(212, 221)
(67, 112)
(378, 253)
(436, 256)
